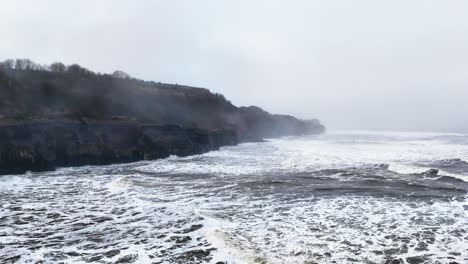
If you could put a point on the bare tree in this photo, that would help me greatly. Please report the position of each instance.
(78, 70)
(121, 75)
(24, 64)
(58, 67)
(7, 64)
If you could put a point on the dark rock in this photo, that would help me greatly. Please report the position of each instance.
(191, 229)
(258, 124)
(431, 172)
(181, 239)
(391, 260)
(391, 251)
(127, 259)
(103, 219)
(421, 246)
(45, 146)
(73, 254)
(93, 258)
(13, 259)
(415, 260)
(74, 118)
(194, 255)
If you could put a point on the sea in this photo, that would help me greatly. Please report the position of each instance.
(338, 197)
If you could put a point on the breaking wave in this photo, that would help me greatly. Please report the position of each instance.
(338, 198)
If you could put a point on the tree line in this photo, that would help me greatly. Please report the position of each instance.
(29, 65)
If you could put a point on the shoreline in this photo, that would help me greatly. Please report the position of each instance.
(45, 146)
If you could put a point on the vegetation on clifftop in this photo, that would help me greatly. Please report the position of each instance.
(30, 91)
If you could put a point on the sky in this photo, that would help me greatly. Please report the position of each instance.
(361, 64)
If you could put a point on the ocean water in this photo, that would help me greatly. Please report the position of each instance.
(341, 197)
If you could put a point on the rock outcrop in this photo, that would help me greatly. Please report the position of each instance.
(45, 146)
(257, 124)
(51, 119)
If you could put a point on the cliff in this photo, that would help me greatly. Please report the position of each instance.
(45, 146)
(51, 118)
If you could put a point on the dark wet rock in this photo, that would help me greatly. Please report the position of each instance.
(79, 226)
(260, 260)
(391, 260)
(73, 254)
(415, 260)
(382, 166)
(391, 251)
(34, 248)
(19, 222)
(45, 146)
(431, 172)
(96, 238)
(28, 219)
(59, 238)
(13, 259)
(118, 211)
(192, 228)
(194, 256)
(404, 249)
(103, 219)
(54, 215)
(127, 258)
(181, 239)
(72, 242)
(55, 255)
(449, 165)
(94, 258)
(40, 235)
(421, 246)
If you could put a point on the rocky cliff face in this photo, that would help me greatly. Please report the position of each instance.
(50, 119)
(256, 124)
(45, 146)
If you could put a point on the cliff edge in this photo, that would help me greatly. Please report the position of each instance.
(67, 116)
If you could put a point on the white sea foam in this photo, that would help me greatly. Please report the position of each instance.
(268, 202)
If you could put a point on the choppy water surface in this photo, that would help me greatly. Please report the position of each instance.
(336, 198)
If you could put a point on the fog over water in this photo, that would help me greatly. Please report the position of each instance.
(366, 64)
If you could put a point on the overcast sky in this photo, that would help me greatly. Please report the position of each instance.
(361, 64)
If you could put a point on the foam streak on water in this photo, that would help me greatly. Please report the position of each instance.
(356, 197)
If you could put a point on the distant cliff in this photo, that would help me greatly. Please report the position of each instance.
(67, 115)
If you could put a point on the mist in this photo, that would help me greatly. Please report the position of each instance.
(399, 65)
